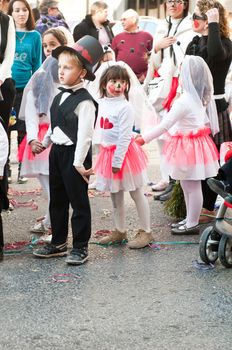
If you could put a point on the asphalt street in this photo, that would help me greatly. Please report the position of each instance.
(153, 298)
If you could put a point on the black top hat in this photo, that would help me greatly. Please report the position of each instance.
(88, 50)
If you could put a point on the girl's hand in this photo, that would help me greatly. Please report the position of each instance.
(139, 140)
(85, 173)
(115, 170)
(164, 43)
(213, 15)
(1, 177)
(36, 147)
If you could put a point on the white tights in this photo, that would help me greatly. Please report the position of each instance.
(142, 207)
(193, 200)
(44, 182)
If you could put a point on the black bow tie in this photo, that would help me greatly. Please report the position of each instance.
(62, 89)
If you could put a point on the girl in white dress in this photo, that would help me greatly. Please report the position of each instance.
(190, 154)
(121, 164)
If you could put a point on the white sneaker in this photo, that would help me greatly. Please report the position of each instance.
(39, 228)
(92, 186)
(160, 186)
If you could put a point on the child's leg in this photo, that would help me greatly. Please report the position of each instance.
(59, 202)
(143, 236)
(194, 200)
(143, 208)
(119, 234)
(44, 181)
(118, 210)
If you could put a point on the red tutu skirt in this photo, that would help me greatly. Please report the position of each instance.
(132, 174)
(191, 156)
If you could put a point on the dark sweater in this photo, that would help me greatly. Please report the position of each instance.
(217, 53)
(87, 27)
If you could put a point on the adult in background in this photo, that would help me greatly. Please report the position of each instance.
(50, 16)
(27, 58)
(171, 39)
(133, 45)
(7, 50)
(215, 47)
(95, 24)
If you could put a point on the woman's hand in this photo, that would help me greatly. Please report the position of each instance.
(164, 43)
(139, 140)
(115, 170)
(212, 15)
(85, 173)
(36, 147)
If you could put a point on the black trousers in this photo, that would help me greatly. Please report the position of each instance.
(4, 203)
(68, 187)
(8, 92)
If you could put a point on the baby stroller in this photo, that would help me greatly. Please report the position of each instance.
(216, 239)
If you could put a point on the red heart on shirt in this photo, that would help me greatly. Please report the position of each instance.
(105, 123)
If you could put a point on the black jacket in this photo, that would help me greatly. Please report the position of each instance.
(87, 27)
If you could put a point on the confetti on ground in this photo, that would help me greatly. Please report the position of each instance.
(63, 278)
(27, 204)
(106, 213)
(20, 247)
(116, 243)
(202, 266)
(93, 193)
(148, 194)
(101, 233)
(12, 192)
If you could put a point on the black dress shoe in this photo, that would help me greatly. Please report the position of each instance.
(1, 253)
(184, 230)
(165, 197)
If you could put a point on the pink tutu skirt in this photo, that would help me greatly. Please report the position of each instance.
(191, 156)
(33, 165)
(132, 174)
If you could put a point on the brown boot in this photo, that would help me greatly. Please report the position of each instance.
(207, 216)
(115, 236)
(141, 240)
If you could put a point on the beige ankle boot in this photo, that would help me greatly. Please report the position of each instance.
(115, 236)
(141, 240)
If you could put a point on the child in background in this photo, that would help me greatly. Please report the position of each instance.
(3, 195)
(28, 58)
(35, 110)
(121, 163)
(190, 154)
(71, 129)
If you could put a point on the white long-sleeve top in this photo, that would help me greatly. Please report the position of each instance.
(85, 113)
(4, 148)
(116, 120)
(165, 66)
(182, 118)
(32, 119)
(5, 66)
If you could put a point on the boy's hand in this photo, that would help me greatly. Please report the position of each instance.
(36, 147)
(85, 173)
(139, 140)
(1, 177)
(115, 170)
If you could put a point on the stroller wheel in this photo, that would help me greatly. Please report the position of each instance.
(208, 245)
(225, 251)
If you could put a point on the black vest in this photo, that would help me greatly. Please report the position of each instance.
(63, 115)
(4, 22)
